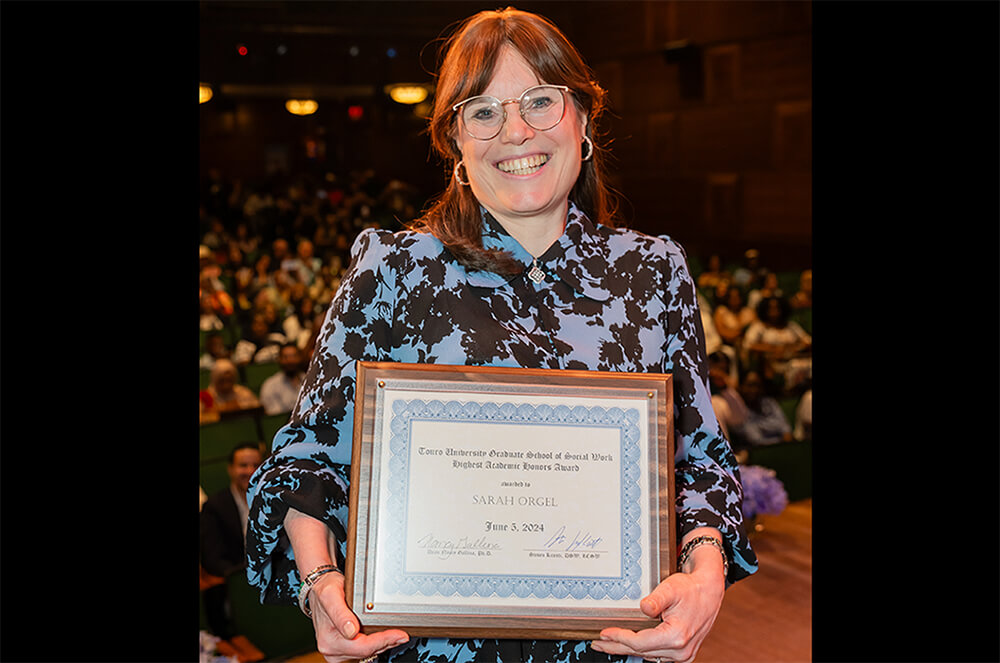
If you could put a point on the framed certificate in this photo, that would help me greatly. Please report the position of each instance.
(508, 502)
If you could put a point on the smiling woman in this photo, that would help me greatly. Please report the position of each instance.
(518, 263)
(506, 56)
(522, 165)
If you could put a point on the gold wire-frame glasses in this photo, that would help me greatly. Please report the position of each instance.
(541, 107)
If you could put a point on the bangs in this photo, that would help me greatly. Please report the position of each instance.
(471, 54)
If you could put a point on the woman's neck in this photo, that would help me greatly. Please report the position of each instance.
(535, 233)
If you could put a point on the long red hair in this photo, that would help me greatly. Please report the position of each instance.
(467, 60)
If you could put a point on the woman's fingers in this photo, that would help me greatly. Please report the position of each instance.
(362, 645)
(338, 631)
(328, 592)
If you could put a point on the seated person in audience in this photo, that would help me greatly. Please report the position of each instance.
(259, 344)
(801, 302)
(297, 325)
(305, 264)
(215, 348)
(712, 339)
(732, 317)
(765, 421)
(280, 252)
(278, 392)
(224, 393)
(777, 345)
(244, 292)
(213, 291)
(768, 288)
(804, 297)
(804, 417)
(751, 273)
(729, 407)
(223, 527)
(713, 274)
(209, 320)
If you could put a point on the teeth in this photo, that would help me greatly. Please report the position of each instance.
(523, 166)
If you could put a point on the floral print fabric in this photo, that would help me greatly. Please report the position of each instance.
(611, 300)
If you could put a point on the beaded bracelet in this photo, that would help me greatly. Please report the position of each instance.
(308, 582)
(700, 541)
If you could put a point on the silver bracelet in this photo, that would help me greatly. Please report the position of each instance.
(701, 541)
(309, 581)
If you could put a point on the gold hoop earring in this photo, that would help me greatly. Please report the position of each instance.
(458, 177)
(590, 152)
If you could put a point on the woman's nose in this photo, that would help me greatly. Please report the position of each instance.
(515, 130)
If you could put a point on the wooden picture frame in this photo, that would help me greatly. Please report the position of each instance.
(508, 502)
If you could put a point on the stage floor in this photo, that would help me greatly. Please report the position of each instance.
(768, 616)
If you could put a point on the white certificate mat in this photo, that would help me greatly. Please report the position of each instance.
(516, 498)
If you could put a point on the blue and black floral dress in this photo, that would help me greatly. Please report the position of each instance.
(611, 300)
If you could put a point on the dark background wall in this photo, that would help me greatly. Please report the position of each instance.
(710, 120)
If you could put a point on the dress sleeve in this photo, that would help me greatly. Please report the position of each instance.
(308, 468)
(708, 488)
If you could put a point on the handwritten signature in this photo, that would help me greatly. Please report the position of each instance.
(579, 540)
(451, 546)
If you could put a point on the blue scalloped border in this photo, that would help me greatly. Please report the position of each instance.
(398, 581)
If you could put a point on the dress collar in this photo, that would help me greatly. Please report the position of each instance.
(579, 257)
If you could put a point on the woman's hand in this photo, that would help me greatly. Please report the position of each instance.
(686, 602)
(338, 632)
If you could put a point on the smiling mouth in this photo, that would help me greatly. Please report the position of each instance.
(524, 165)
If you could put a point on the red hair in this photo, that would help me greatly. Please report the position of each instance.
(468, 58)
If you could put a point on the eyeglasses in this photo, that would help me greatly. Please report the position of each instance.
(542, 107)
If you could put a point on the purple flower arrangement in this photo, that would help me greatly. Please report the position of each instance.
(763, 492)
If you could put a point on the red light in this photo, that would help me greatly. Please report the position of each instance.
(356, 112)
(242, 50)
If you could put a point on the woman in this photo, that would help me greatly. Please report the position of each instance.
(768, 288)
(225, 393)
(731, 316)
(713, 274)
(515, 264)
(778, 346)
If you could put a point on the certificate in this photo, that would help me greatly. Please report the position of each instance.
(508, 502)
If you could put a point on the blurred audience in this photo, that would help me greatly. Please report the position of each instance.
(259, 345)
(223, 527)
(713, 275)
(215, 348)
(278, 392)
(751, 273)
(768, 288)
(224, 392)
(765, 422)
(804, 297)
(272, 254)
(732, 317)
(804, 417)
(777, 346)
(727, 402)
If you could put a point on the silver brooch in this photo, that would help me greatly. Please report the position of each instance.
(536, 274)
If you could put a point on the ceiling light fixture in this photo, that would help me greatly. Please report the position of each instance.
(407, 93)
(301, 106)
(204, 92)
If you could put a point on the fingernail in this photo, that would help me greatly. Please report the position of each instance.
(349, 630)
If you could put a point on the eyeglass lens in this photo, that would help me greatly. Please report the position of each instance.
(541, 107)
